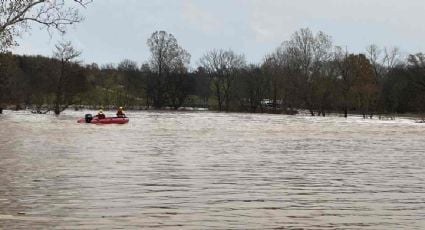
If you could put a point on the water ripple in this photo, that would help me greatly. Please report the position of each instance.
(186, 170)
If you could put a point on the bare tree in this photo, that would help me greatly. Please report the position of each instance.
(383, 61)
(306, 55)
(66, 54)
(222, 66)
(307, 51)
(374, 54)
(345, 79)
(392, 57)
(277, 68)
(16, 17)
(167, 57)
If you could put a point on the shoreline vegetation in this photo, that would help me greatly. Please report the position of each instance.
(305, 73)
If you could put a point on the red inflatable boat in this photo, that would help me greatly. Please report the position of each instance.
(107, 120)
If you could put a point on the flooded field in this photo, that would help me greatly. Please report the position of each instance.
(203, 170)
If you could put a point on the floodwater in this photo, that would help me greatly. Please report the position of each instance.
(204, 170)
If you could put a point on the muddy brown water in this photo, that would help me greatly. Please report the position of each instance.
(204, 170)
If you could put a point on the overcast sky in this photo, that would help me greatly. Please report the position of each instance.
(118, 29)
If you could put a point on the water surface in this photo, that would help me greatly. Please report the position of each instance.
(203, 170)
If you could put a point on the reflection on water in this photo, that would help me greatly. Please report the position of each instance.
(211, 170)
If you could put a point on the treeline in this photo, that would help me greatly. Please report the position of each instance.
(306, 73)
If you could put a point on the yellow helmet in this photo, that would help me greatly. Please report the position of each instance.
(120, 107)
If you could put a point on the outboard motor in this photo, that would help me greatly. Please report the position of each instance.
(88, 118)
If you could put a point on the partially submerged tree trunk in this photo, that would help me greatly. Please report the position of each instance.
(218, 95)
(66, 53)
(38, 110)
(59, 109)
(58, 95)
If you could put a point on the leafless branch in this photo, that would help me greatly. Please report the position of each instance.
(16, 17)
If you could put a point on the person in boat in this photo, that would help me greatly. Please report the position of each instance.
(100, 114)
(120, 112)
